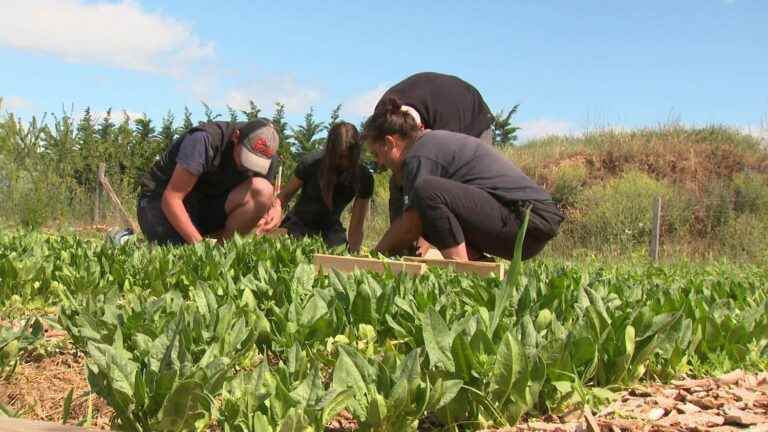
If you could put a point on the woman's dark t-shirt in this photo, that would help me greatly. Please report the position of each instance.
(467, 160)
(310, 208)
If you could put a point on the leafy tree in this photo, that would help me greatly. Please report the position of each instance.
(304, 136)
(504, 134)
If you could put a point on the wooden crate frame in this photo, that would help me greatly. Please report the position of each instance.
(349, 264)
(483, 269)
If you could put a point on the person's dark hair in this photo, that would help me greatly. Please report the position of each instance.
(342, 136)
(390, 119)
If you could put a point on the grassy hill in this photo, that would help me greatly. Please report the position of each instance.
(713, 182)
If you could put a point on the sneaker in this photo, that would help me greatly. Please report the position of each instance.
(118, 236)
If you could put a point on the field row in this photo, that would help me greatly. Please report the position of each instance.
(250, 338)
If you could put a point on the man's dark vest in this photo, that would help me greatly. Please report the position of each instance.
(221, 178)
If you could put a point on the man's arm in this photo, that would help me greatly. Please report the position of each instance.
(181, 183)
(401, 234)
(356, 222)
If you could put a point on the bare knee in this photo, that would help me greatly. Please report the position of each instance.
(256, 193)
(260, 192)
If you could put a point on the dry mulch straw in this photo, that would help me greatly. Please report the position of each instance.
(38, 388)
(733, 402)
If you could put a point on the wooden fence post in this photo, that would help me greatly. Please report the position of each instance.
(116, 201)
(655, 230)
(97, 197)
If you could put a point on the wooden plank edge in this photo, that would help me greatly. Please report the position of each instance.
(349, 264)
(480, 268)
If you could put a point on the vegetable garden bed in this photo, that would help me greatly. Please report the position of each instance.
(174, 339)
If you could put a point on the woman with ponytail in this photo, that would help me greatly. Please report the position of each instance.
(328, 181)
(460, 194)
(439, 102)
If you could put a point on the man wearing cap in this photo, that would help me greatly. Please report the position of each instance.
(215, 180)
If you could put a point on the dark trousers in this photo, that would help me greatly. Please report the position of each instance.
(332, 235)
(396, 190)
(453, 213)
(208, 215)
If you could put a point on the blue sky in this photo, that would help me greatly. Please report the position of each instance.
(572, 65)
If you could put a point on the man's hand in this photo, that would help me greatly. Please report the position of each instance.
(271, 219)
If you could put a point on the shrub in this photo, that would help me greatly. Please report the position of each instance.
(750, 192)
(745, 236)
(568, 183)
(617, 214)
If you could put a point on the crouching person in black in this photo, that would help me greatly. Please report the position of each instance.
(329, 180)
(213, 181)
(461, 195)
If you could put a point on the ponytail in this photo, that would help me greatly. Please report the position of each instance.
(391, 118)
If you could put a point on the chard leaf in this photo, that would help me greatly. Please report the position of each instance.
(437, 340)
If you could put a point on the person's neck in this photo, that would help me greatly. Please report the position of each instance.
(411, 142)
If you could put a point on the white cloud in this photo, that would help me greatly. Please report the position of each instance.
(13, 103)
(362, 105)
(297, 97)
(119, 34)
(543, 128)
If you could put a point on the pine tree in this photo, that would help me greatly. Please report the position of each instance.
(186, 122)
(304, 135)
(106, 134)
(123, 144)
(335, 116)
(209, 115)
(143, 129)
(146, 145)
(167, 132)
(253, 111)
(87, 157)
(232, 114)
(106, 127)
(59, 141)
(504, 134)
(281, 127)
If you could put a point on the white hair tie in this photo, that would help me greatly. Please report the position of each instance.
(412, 112)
